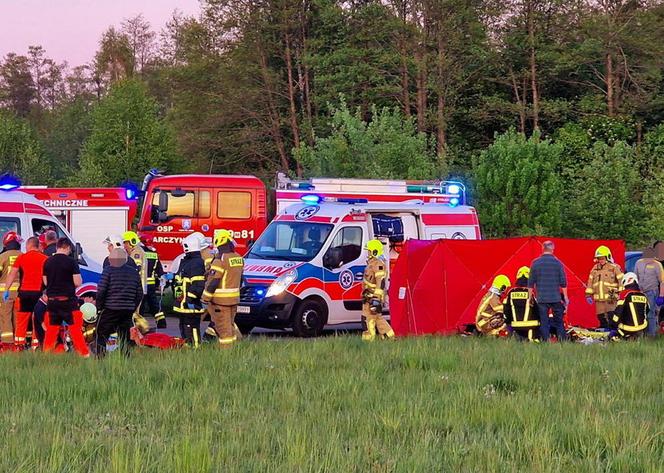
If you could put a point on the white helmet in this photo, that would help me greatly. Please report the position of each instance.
(192, 243)
(629, 278)
(115, 240)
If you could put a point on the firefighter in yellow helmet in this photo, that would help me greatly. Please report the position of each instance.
(520, 313)
(222, 287)
(373, 293)
(604, 285)
(490, 318)
(132, 246)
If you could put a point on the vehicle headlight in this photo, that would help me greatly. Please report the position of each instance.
(281, 283)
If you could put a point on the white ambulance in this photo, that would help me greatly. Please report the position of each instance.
(25, 215)
(305, 271)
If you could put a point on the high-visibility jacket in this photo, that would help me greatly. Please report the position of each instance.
(518, 309)
(138, 256)
(190, 283)
(153, 268)
(631, 312)
(7, 259)
(224, 280)
(489, 318)
(604, 282)
(373, 283)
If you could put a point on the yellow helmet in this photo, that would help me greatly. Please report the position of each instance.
(221, 237)
(603, 252)
(375, 248)
(130, 237)
(523, 272)
(501, 282)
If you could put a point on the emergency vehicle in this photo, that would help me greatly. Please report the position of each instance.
(305, 271)
(25, 215)
(90, 214)
(175, 206)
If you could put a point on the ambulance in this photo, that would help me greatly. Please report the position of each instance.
(89, 214)
(25, 215)
(305, 271)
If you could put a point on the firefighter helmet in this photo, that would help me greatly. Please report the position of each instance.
(9, 237)
(191, 243)
(629, 278)
(221, 237)
(130, 237)
(89, 312)
(375, 248)
(501, 282)
(523, 272)
(603, 252)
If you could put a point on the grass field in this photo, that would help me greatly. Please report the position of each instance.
(338, 405)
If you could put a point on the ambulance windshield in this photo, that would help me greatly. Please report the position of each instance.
(291, 241)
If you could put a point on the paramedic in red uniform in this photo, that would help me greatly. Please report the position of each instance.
(61, 277)
(29, 267)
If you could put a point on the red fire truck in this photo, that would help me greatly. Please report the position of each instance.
(89, 214)
(174, 206)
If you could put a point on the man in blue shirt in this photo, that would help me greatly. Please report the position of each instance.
(549, 283)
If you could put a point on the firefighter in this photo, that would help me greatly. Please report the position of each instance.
(373, 293)
(630, 317)
(190, 283)
(603, 286)
(154, 272)
(490, 318)
(207, 250)
(89, 312)
(519, 310)
(11, 250)
(132, 246)
(222, 288)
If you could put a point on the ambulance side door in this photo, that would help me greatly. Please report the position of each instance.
(343, 267)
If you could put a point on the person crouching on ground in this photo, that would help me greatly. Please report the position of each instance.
(61, 278)
(630, 318)
(520, 313)
(490, 319)
(119, 293)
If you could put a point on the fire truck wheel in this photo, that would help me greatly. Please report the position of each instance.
(310, 318)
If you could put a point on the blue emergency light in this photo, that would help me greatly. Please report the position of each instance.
(454, 189)
(311, 199)
(454, 201)
(131, 190)
(9, 182)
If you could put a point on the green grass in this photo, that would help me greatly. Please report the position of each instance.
(339, 405)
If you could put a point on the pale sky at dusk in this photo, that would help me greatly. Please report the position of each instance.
(70, 29)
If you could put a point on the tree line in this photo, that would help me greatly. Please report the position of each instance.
(551, 109)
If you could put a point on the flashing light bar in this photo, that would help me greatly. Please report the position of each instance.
(311, 199)
(454, 201)
(9, 182)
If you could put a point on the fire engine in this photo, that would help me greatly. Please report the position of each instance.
(305, 271)
(90, 214)
(25, 215)
(175, 206)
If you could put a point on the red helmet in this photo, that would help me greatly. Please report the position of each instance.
(9, 237)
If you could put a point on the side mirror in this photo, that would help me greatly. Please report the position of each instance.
(250, 243)
(163, 202)
(78, 255)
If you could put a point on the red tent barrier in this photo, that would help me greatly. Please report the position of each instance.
(436, 286)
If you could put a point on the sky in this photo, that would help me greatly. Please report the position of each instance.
(69, 30)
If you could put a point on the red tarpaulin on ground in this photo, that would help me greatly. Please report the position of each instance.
(436, 286)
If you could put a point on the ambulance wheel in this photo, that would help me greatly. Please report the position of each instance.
(310, 318)
(245, 329)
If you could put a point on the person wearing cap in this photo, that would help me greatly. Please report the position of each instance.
(604, 285)
(520, 314)
(547, 284)
(11, 250)
(112, 242)
(222, 287)
(119, 293)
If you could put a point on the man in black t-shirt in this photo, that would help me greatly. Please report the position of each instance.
(50, 242)
(61, 278)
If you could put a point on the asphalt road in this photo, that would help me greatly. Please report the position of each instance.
(173, 329)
